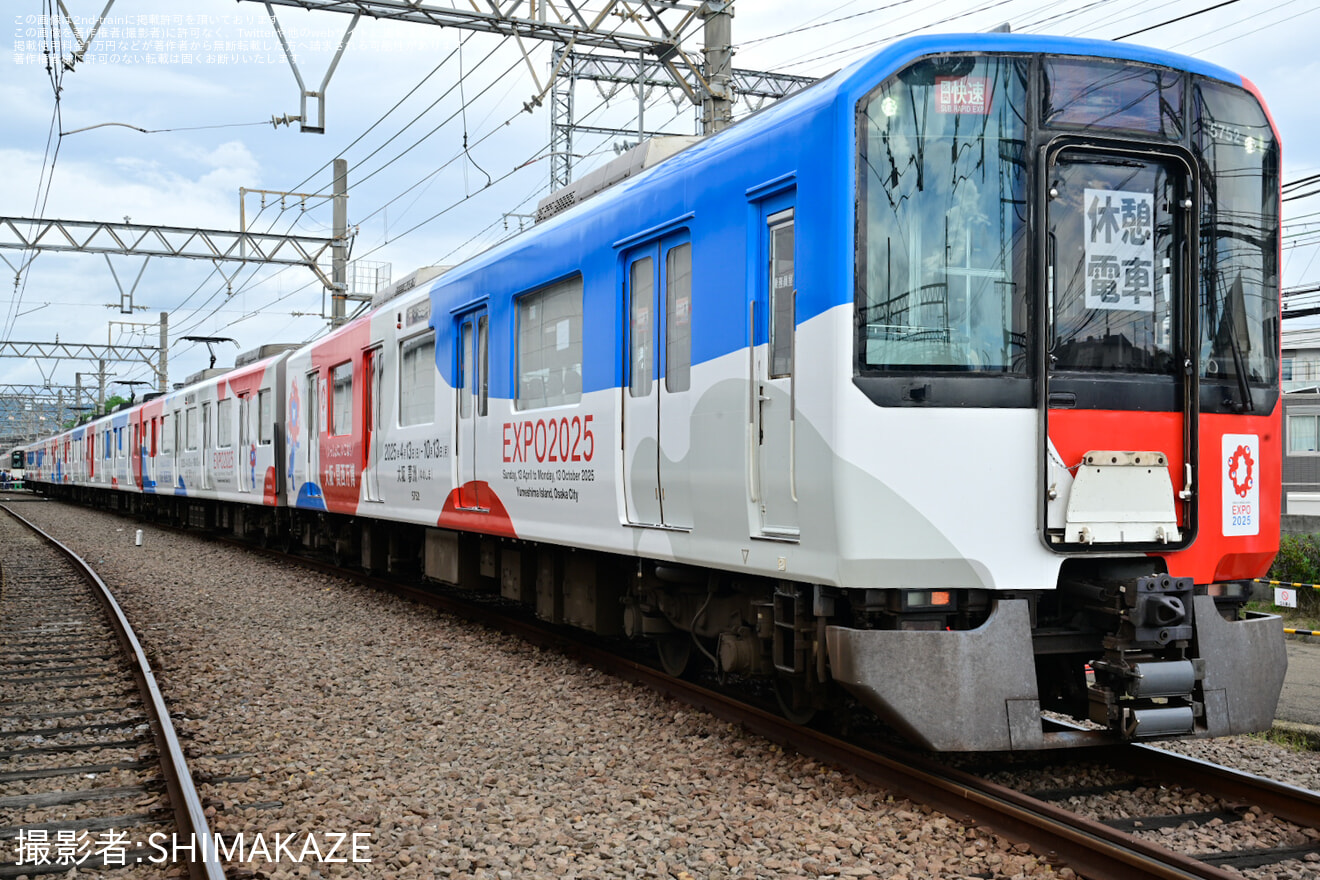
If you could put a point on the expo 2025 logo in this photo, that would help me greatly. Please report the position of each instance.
(1240, 465)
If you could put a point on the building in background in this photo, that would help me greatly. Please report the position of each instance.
(1301, 422)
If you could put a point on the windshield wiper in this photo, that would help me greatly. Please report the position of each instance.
(1244, 389)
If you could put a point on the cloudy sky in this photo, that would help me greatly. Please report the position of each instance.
(205, 77)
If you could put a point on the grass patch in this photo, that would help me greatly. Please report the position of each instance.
(1284, 737)
(1298, 562)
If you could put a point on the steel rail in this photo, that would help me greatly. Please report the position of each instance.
(189, 815)
(1297, 805)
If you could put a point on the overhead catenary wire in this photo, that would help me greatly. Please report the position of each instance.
(198, 321)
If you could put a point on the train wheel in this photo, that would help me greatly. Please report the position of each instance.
(675, 651)
(794, 703)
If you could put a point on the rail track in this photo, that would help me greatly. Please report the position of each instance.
(1047, 820)
(91, 771)
(1013, 797)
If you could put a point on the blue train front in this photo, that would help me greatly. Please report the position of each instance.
(950, 383)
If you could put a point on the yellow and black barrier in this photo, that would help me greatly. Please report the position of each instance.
(1287, 584)
(1294, 585)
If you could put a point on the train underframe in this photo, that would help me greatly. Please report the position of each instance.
(1120, 645)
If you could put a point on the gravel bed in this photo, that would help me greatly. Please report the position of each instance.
(321, 707)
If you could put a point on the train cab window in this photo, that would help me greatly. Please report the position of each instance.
(190, 435)
(265, 418)
(417, 380)
(224, 427)
(942, 229)
(341, 399)
(549, 367)
(1239, 243)
(1123, 96)
(678, 318)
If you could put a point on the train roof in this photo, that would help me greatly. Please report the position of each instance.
(843, 88)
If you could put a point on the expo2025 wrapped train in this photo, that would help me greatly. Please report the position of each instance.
(949, 383)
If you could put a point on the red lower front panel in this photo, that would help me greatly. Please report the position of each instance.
(1237, 480)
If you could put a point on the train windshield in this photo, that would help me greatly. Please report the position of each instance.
(941, 262)
(949, 161)
(1239, 235)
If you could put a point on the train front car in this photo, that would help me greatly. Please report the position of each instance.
(1062, 436)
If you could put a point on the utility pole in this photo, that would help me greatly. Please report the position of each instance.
(100, 378)
(339, 250)
(163, 374)
(717, 97)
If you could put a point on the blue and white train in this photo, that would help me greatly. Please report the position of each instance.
(950, 383)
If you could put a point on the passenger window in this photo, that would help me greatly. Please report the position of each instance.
(265, 418)
(224, 428)
(190, 441)
(417, 380)
(341, 395)
(550, 345)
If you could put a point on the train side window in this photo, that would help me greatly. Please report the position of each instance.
(678, 318)
(224, 428)
(341, 399)
(549, 367)
(265, 418)
(190, 435)
(417, 380)
(165, 433)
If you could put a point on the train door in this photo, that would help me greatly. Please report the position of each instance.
(774, 389)
(1120, 252)
(149, 478)
(314, 421)
(137, 453)
(472, 387)
(656, 409)
(372, 369)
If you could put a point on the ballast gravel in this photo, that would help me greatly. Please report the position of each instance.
(314, 707)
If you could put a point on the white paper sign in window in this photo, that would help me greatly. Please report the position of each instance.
(1120, 250)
